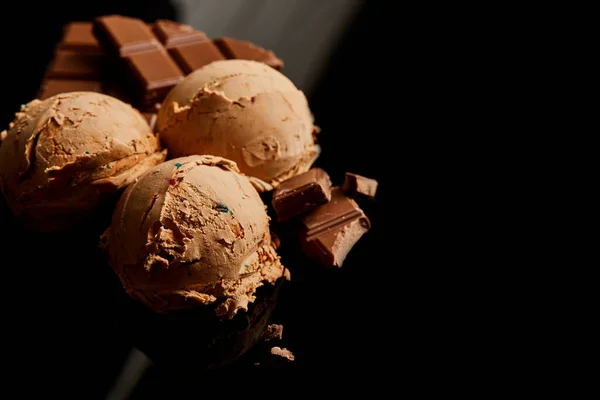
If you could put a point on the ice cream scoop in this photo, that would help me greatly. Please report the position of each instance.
(192, 231)
(244, 111)
(63, 157)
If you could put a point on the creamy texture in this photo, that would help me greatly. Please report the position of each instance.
(64, 156)
(192, 231)
(244, 111)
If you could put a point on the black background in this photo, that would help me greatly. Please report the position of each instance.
(64, 326)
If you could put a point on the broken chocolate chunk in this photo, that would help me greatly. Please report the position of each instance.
(359, 186)
(301, 193)
(329, 232)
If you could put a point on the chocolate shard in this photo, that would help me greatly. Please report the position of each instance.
(192, 56)
(330, 231)
(244, 50)
(171, 33)
(78, 37)
(359, 186)
(301, 193)
(124, 35)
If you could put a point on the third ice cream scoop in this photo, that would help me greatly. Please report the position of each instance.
(192, 231)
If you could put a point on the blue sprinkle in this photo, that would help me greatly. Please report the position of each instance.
(24, 106)
(220, 207)
(87, 152)
(178, 165)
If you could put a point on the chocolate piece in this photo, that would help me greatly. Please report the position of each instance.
(190, 57)
(172, 34)
(50, 87)
(301, 193)
(331, 230)
(151, 118)
(78, 37)
(244, 50)
(72, 65)
(359, 186)
(124, 35)
(155, 74)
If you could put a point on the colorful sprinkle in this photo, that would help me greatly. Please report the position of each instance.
(172, 182)
(25, 105)
(220, 207)
(87, 152)
(178, 165)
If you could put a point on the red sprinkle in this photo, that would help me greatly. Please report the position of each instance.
(172, 182)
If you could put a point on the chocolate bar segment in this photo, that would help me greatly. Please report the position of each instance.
(301, 193)
(78, 37)
(244, 50)
(68, 64)
(172, 34)
(51, 87)
(190, 57)
(330, 231)
(359, 186)
(124, 35)
(155, 73)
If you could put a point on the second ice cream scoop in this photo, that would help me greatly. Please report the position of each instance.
(192, 231)
(244, 111)
(63, 157)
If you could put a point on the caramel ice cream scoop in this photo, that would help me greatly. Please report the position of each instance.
(63, 157)
(192, 231)
(244, 111)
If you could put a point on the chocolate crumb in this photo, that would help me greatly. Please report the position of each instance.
(283, 354)
(273, 331)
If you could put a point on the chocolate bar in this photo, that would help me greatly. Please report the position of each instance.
(329, 232)
(301, 193)
(78, 63)
(156, 57)
(359, 186)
